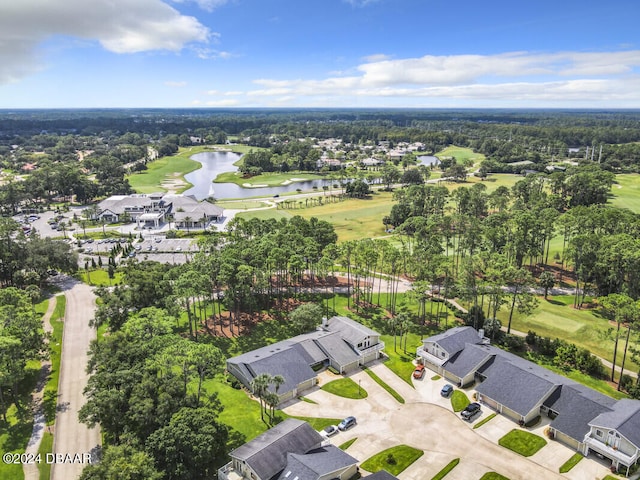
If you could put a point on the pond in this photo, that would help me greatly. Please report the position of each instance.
(428, 160)
(215, 163)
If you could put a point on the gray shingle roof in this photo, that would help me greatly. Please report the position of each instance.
(576, 405)
(316, 463)
(335, 347)
(468, 360)
(517, 388)
(455, 339)
(624, 417)
(267, 453)
(352, 331)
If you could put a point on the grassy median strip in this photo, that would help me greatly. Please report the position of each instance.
(493, 476)
(442, 473)
(380, 382)
(347, 444)
(524, 443)
(484, 420)
(572, 462)
(46, 446)
(394, 460)
(345, 387)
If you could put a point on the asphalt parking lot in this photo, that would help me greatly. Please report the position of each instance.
(426, 421)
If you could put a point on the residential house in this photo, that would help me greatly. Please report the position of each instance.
(521, 390)
(292, 449)
(340, 343)
(381, 475)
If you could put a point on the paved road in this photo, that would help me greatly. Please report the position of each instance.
(426, 422)
(71, 436)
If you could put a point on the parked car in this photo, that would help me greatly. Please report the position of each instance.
(419, 371)
(446, 390)
(329, 431)
(470, 411)
(347, 423)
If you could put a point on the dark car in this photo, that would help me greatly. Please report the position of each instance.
(470, 411)
(446, 390)
(347, 423)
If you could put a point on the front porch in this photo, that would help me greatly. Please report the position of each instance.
(618, 459)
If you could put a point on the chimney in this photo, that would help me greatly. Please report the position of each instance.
(481, 333)
(325, 322)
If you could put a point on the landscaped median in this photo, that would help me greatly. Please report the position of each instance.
(394, 460)
(345, 387)
(380, 382)
(459, 400)
(524, 443)
(572, 462)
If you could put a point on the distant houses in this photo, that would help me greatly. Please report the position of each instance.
(154, 209)
(521, 390)
(339, 342)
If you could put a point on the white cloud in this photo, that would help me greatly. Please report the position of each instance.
(208, 5)
(234, 93)
(120, 26)
(517, 77)
(227, 102)
(211, 54)
(360, 3)
(175, 84)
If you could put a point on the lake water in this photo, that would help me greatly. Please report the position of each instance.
(215, 163)
(428, 160)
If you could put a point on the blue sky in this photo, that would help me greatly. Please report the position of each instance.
(319, 53)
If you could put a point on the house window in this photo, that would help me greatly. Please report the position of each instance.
(599, 433)
(442, 354)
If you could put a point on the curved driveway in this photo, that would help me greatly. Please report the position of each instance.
(425, 421)
(71, 436)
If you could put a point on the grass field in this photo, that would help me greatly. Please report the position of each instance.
(100, 278)
(165, 169)
(270, 179)
(556, 317)
(459, 400)
(352, 219)
(46, 446)
(626, 192)
(461, 154)
(241, 204)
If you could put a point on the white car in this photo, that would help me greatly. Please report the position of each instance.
(329, 431)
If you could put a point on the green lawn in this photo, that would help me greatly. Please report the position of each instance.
(46, 446)
(172, 168)
(345, 387)
(493, 476)
(240, 204)
(556, 318)
(443, 473)
(522, 442)
(100, 278)
(572, 462)
(347, 444)
(318, 423)
(484, 420)
(381, 382)
(459, 400)
(626, 192)
(462, 154)
(269, 179)
(50, 394)
(394, 460)
(399, 362)
(353, 219)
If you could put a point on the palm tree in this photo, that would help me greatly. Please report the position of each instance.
(259, 385)
(187, 221)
